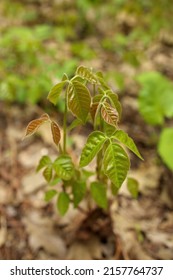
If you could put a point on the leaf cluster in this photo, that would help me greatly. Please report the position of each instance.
(89, 98)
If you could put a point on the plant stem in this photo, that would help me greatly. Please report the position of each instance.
(99, 155)
(94, 89)
(65, 125)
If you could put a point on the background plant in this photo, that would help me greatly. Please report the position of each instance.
(32, 41)
(89, 98)
(156, 105)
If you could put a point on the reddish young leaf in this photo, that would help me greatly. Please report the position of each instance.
(35, 124)
(93, 110)
(109, 114)
(56, 134)
(45, 116)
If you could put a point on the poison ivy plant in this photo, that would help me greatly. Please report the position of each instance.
(156, 104)
(89, 99)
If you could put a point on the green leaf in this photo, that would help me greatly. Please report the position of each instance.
(109, 129)
(165, 147)
(63, 167)
(63, 203)
(155, 97)
(47, 173)
(98, 193)
(116, 164)
(74, 124)
(79, 100)
(64, 77)
(87, 74)
(93, 145)
(55, 181)
(55, 92)
(109, 114)
(114, 189)
(78, 79)
(86, 174)
(44, 161)
(99, 74)
(49, 195)
(101, 92)
(127, 141)
(102, 80)
(79, 190)
(133, 186)
(97, 97)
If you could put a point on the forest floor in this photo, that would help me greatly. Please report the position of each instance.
(139, 228)
(30, 228)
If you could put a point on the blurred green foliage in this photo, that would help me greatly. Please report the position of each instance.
(155, 97)
(165, 146)
(23, 68)
(155, 105)
(42, 40)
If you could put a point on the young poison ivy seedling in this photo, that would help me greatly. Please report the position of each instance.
(89, 98)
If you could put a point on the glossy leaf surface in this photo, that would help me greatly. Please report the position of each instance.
(55, 92)
(127, 141)
(79, 100)
(116, 164)
(93, 145)
(98, 193)
(63, 167)
(47, 173)
(109, 129)
(109, 114)
(44, 161)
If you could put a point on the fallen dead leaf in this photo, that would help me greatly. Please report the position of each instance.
(42, 235)
(32, 182)
(3, 231)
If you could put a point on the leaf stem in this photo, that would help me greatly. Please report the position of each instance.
(99, 155)
(94, 89)
(65, 125)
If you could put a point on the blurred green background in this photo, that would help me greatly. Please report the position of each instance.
(41, 39)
